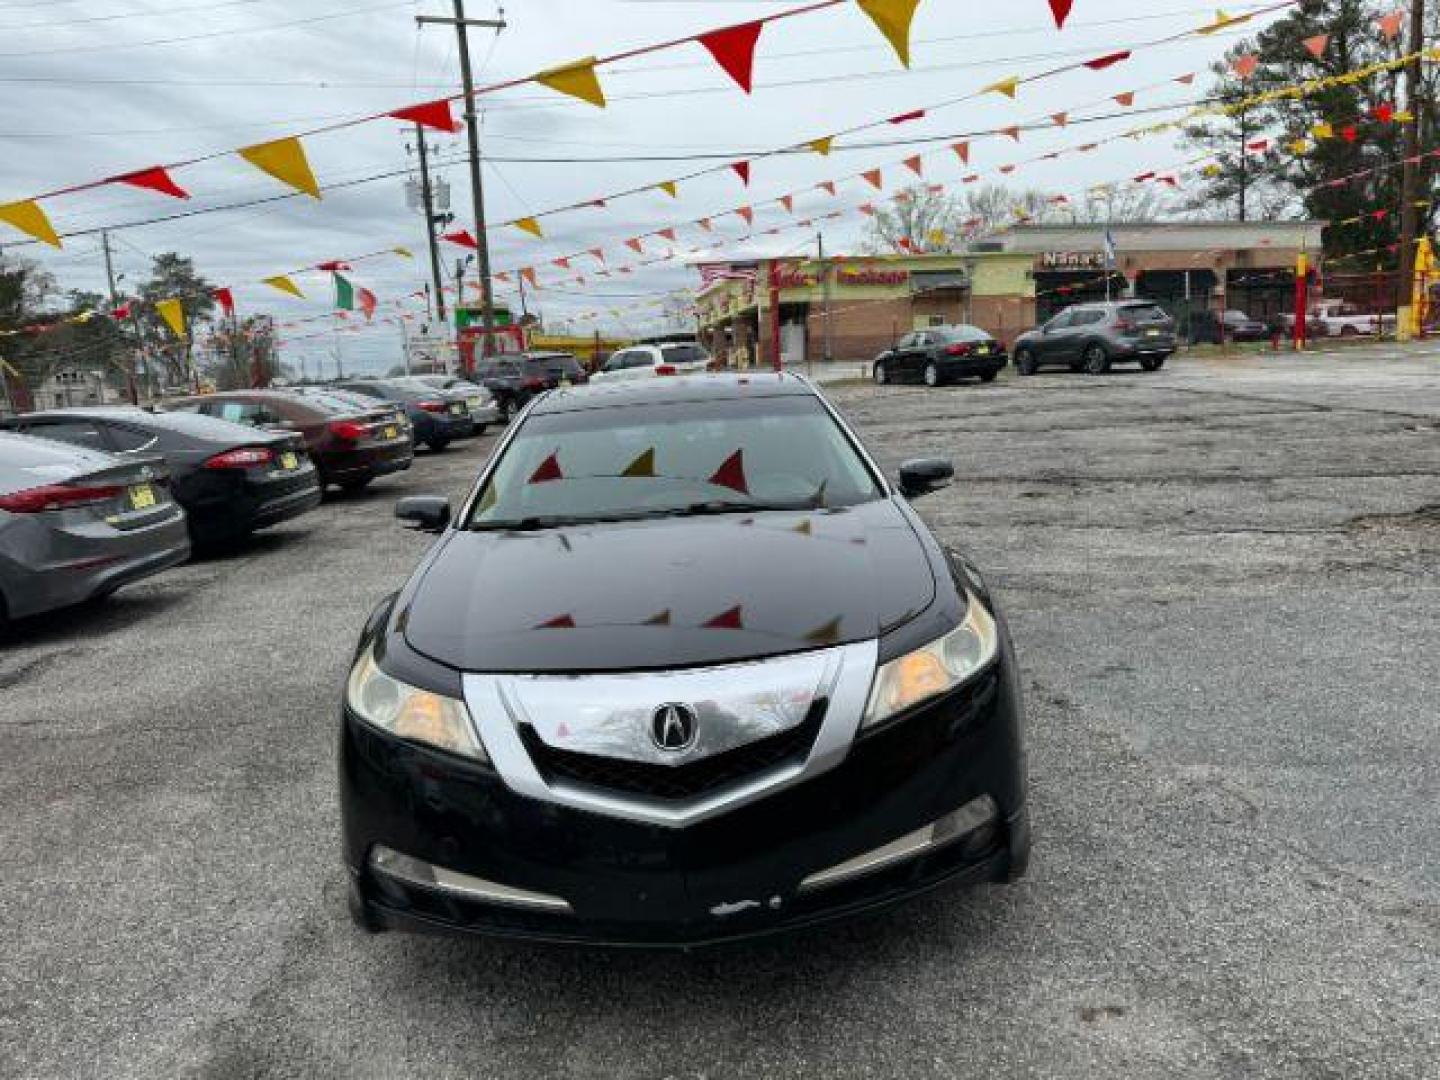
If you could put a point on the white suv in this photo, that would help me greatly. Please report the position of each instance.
(647, 361)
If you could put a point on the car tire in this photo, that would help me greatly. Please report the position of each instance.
(931, 375)
(881, 373)
(350, 487)
(480, 430)
(1152, 363)
(1349, 331)
(436, 445)
(507, 411)
(1097, 360)
(989, 376)
(360, 913)
(1025, 362)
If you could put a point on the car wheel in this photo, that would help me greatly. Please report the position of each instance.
(881, 373)
(1025, 362)
(358, 484)
(360, 913)
(989, 376)
(1097, 360)
(480, 429)
(1152, 363)
(437, 444)
(932, 375)
(1349, 331)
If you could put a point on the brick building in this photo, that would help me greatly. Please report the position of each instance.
(1005, 285)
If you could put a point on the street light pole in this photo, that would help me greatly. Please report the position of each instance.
(1410, 178)
(477, 187)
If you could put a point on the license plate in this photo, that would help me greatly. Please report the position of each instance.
(289, 461)
(142, 497)
(392, 432)
(457, 409)
(983, 350)
(1152, 333)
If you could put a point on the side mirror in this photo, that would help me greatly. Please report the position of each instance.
(924, 475)
(424, 513)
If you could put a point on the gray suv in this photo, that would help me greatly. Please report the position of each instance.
(1091, 337)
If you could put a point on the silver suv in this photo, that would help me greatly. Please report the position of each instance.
(1091, 337)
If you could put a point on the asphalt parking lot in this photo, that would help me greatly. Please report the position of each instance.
(1222, 580)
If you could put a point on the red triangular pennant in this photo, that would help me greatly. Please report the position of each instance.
(431, 114)
(667, 234)
(874, 178)
(548, 470)
(742, 170)
(1013, 131)
(560, 622)
(634, 245)
(905, 118)
(1061, 10)
(463, 238)
(733, 619)
(732, 474)
(155, 179)
(1060, 118)
(1126, 99)
(916, 165)
(1317, 45)
(226, 299)
(1100, 63)
(366, 299)
(748, 214)
(734, 50)
(827, 186)
(963, 150)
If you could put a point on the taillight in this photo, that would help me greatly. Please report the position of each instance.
(958, 350)
(246, 458)
(1125, 326)
(348, 430)
(432, 406)
(55, 497)
(665, 369)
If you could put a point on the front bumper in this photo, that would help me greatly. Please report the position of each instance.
(732, 876)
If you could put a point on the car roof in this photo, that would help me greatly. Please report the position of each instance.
(102, 412)
(673, 390)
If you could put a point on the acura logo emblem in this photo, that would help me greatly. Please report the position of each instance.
(674, 727)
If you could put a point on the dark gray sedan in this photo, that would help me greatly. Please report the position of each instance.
(76, 524)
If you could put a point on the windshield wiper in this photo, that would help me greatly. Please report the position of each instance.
(529, 524)
(717, 507)
(709, 508)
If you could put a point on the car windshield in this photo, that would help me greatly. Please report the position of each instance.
(339, 403)
(673, 459)
(1145, 313)
(559, 364)
(684, 354)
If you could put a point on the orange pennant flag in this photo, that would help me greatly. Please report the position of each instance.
(963, 150)
(634, 245)
(1126, 99)
(746, 213)
(31, 220)
(788, 202)
(285, 160)
(875, 179)
(893, 18)
(1013, 131)
(1245, 65)
(1392, 24)
(1060, 118)
(528, 273)
(915, 165)
(1185, 80)
(1317, 45)
(529, 225)
(827, 186)
(577, 79)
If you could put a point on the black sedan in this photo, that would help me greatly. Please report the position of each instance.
(940, 355)
(230, 479)
(781, 701)
(439, 418)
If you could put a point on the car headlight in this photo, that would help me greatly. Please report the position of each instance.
(935, 669)
(410, 713)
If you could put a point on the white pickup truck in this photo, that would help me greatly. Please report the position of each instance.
(1342, 319)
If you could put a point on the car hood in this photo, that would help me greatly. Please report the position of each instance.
(666, 593)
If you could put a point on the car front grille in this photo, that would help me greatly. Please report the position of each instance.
(677, 782)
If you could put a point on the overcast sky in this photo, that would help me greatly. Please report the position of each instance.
(90, 88)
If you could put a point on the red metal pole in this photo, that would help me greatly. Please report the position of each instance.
(775, 315)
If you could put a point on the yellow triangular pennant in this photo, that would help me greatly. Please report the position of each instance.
(285, 160)
(1009, 87)
(31, 220)
(822, 146)
(173, 312)
(403, 252)
(283, 283)
(577, 80)
(1222, 21)
(893, 17)
(529, 225)
(669, 187)
(642, 466)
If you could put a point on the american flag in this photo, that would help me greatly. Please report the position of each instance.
(713, 272)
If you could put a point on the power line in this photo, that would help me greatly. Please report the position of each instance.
(129, 15)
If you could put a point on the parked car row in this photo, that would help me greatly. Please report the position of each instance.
(93, 499)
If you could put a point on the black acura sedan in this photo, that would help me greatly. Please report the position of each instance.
(684, 667)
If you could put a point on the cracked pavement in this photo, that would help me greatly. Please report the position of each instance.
(1222, 581)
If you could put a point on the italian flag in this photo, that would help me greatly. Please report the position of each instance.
(347, 296)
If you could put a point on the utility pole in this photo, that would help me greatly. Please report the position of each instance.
(115, 303)
(1410, 178)
(427, 201)
(825, 292)
(477, 187)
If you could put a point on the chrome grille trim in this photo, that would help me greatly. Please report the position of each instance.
(848, 672)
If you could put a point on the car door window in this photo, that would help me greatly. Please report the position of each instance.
(128, 440)
(638, 359)
(76, 432)
(1059, 322)
(906, 342)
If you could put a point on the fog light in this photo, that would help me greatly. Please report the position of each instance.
(418, 872)
(973, 822)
